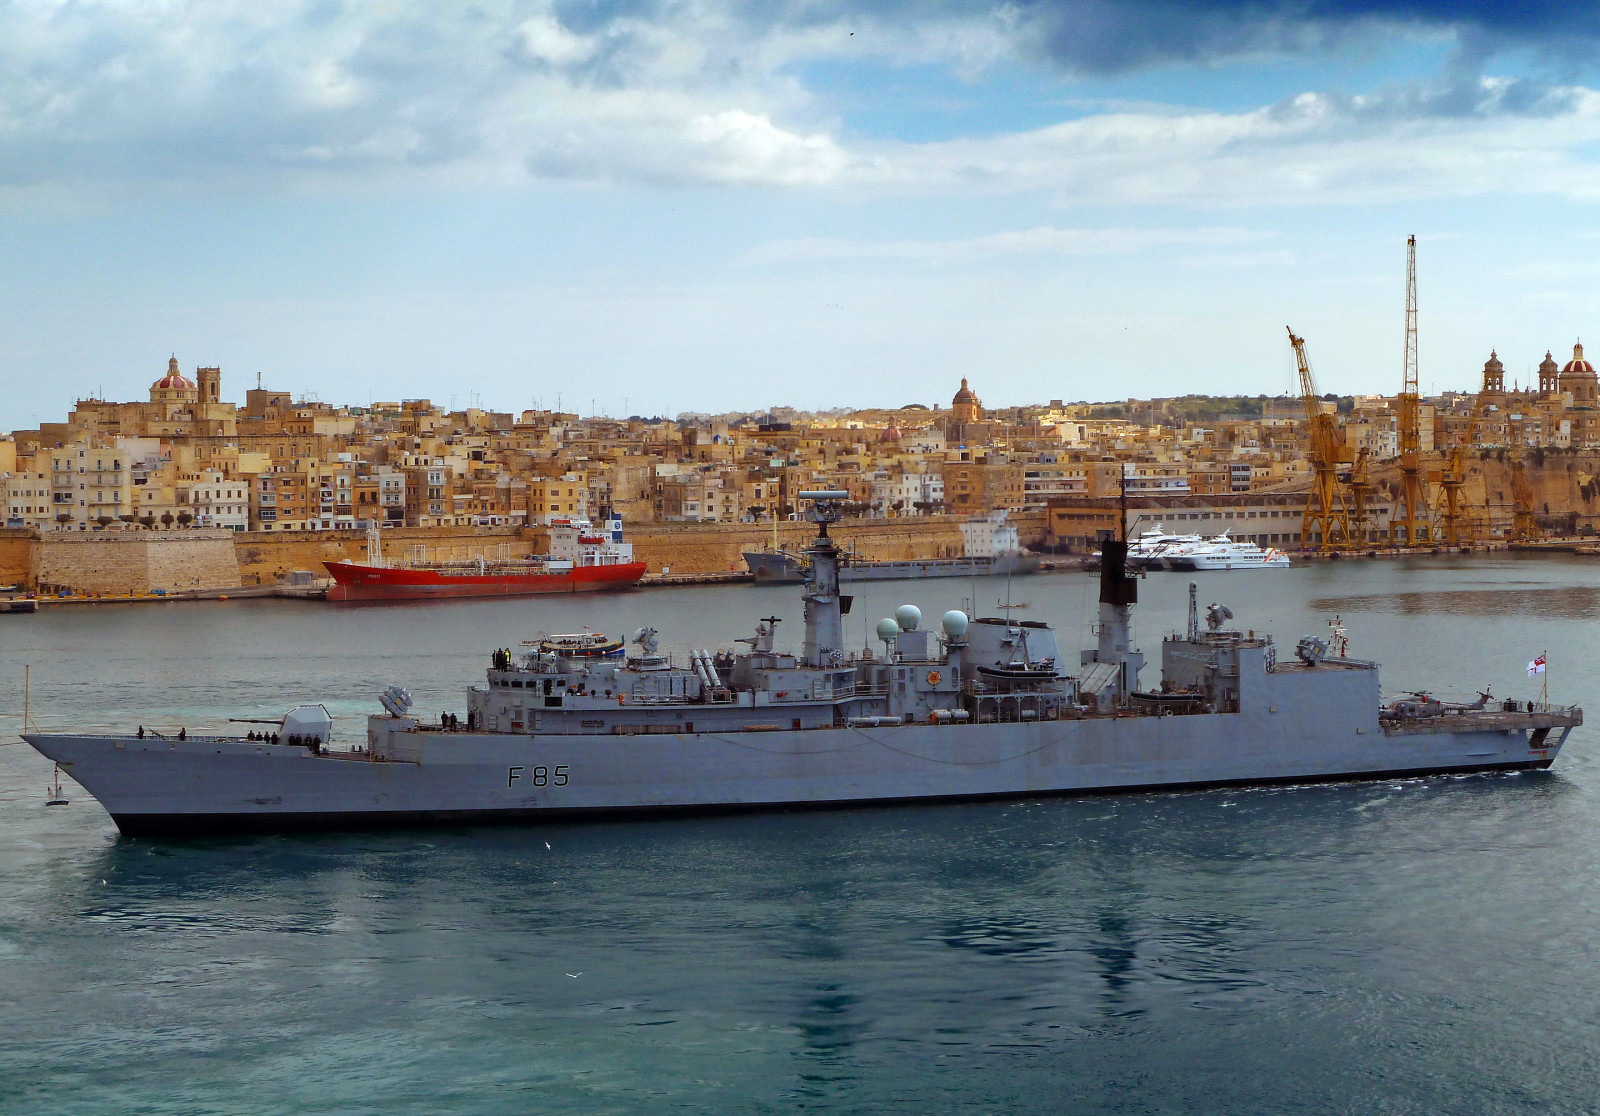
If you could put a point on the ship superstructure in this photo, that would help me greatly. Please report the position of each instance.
(975, 708)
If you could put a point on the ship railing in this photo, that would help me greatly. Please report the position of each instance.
(980, 689)
(863, 689)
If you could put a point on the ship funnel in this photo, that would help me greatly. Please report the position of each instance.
(908, 617)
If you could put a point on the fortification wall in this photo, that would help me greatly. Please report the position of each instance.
(118, 562)
(16, 556)
(1565, 489)
(187, 560)
(266, 556)
(712, 547)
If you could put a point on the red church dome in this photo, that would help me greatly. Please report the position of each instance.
(1577, 363)
(173, 379)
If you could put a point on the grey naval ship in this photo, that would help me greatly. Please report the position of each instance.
(980, 708)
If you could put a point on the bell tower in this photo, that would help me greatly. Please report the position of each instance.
(210, 384)
(1494, 375)
(1549, 371)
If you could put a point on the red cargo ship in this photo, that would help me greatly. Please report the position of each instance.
(581, 560)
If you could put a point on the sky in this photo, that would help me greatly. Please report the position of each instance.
(652, 206)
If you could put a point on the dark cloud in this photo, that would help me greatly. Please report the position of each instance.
(1115, 36)
(1107, 36)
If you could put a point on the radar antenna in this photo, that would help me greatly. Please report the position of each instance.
(1217, 615)
(825, 507)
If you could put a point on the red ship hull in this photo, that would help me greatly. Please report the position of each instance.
(376, 583)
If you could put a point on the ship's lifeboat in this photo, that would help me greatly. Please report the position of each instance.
(580, 645)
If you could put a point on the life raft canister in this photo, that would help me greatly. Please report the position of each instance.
(933, 678)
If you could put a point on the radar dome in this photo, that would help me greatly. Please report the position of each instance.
(955, 623)
(887, 629)
(908, 617)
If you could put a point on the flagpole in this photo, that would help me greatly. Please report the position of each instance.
(1544, 695)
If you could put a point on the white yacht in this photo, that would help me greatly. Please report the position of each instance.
(1152, 548)
(1224, 553)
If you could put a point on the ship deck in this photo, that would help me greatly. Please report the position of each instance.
(1488, 720)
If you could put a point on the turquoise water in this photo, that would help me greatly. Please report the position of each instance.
(1405, 946)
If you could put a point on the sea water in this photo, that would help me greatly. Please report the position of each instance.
(1418, 945)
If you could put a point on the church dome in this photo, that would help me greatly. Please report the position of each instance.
(173, 379)
(1577, 363)
(892, 434)
(965, 395)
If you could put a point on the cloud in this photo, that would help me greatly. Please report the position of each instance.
(214, 93)
(1312, 148)
(1113, 36)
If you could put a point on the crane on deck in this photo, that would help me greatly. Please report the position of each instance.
(1326, 522)
(1409, 523)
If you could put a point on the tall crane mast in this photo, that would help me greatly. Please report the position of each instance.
(1409, 522)
(1327, 516)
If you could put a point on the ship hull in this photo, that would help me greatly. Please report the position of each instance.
(198, 786)
(354, 582)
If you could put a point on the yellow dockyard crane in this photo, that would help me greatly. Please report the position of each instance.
(1327, 515)
(1359, 487)
(1458, 522)
(1408, 524)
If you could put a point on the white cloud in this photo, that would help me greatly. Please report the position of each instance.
(195, 91)
(547, 40)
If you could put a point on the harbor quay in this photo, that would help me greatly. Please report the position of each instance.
(116, 565)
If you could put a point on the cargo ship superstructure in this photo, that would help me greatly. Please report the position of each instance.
(978, 708)
(582, 559)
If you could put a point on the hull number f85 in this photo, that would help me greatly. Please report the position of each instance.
(540, 776)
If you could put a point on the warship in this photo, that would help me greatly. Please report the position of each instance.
(981, 708)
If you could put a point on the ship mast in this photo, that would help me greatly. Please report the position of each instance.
(824, 616)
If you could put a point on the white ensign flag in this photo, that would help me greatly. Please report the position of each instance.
(1537, 666)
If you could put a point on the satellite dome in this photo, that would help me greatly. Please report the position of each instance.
(887, 629)
(908, 617)
(955, 623)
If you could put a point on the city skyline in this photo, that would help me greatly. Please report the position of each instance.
(739, 206)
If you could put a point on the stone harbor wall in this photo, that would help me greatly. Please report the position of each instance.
(718, 547)
(267, 556)
(122, 562)
(16, 556)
